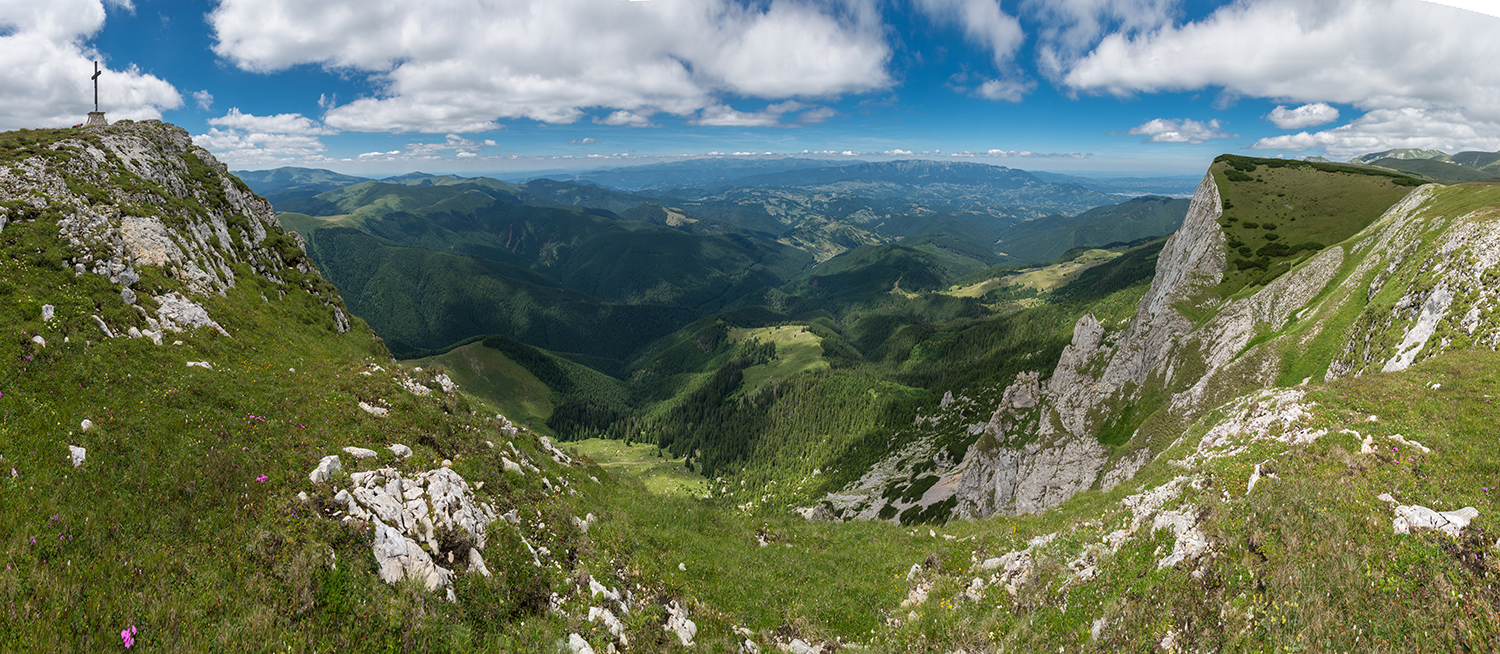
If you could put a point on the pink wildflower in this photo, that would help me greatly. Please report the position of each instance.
(128, 635)
(262, 478)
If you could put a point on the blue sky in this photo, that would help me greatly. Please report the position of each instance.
(1103, 87)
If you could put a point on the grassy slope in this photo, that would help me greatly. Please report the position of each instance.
(1262, 213)
(493, 377)
(164, 526)
(1045, 239)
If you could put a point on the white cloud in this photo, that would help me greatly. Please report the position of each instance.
(1009, 91)
(278, 124)
(1370, 53)
(986, 25)
(983, 23)
(239, 138)
(720, 115)
(724, 116)
(1187, 130)
(45, 65)
(204, 99)
(589, 140)
(1306, 115)
(1069, 28)
(1449, 130)
(626, 118)
(237, 147)
(449, 66)
(817, 115)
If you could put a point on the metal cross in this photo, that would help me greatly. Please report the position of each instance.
(96, 86)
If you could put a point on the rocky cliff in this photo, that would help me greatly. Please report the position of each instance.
(1419, 280)
(138, 204)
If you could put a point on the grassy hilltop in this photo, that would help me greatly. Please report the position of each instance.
(184, 519)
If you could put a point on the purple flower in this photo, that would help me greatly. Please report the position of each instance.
(128, 635)
(262, 478)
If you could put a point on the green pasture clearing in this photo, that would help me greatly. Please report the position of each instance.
(797, 351)
(643, 462)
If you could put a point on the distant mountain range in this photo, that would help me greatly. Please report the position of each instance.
(1435, 165)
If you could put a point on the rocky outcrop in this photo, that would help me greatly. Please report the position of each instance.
(1421, 280)
(134, 197)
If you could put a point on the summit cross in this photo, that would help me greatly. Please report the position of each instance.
(96, 85)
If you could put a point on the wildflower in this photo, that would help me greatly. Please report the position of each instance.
(262, 478)
(128, 635)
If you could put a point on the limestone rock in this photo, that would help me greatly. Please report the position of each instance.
(378, 412)
(401, 451)
(476, 563)
(399, 558)
(678, 623)
(577, 645)
(86, 425)
(176, 313)
(40, 342)
(200, 364)
(327, 468)
(1420, 517)
(77, 454)
(612, 623)
(47, 312)
(360, 452)
(103, 327)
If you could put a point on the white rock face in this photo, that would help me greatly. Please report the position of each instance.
(378, 412)
(577, 645)
(328, 467)
(413, 509)
(678, 623)
(476, 563)
(360, 452)
(612, 623)
(400, 558)
(401, 451)
(178, 313)
(77, 454)
(1421, 517)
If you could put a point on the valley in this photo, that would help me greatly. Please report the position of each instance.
(742, 407)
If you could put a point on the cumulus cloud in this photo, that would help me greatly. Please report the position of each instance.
(626, 118)
(1187, 130)
(1069, 28)
(235, 147)
(1306, 115)
(45, 64)
(986, 25)
(724, 116)
(204, 99)
(279, 123)
(1449, 130)
(589, 140)
(239, 138)
(817, 115)
(449, 66)
(1370, 53)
